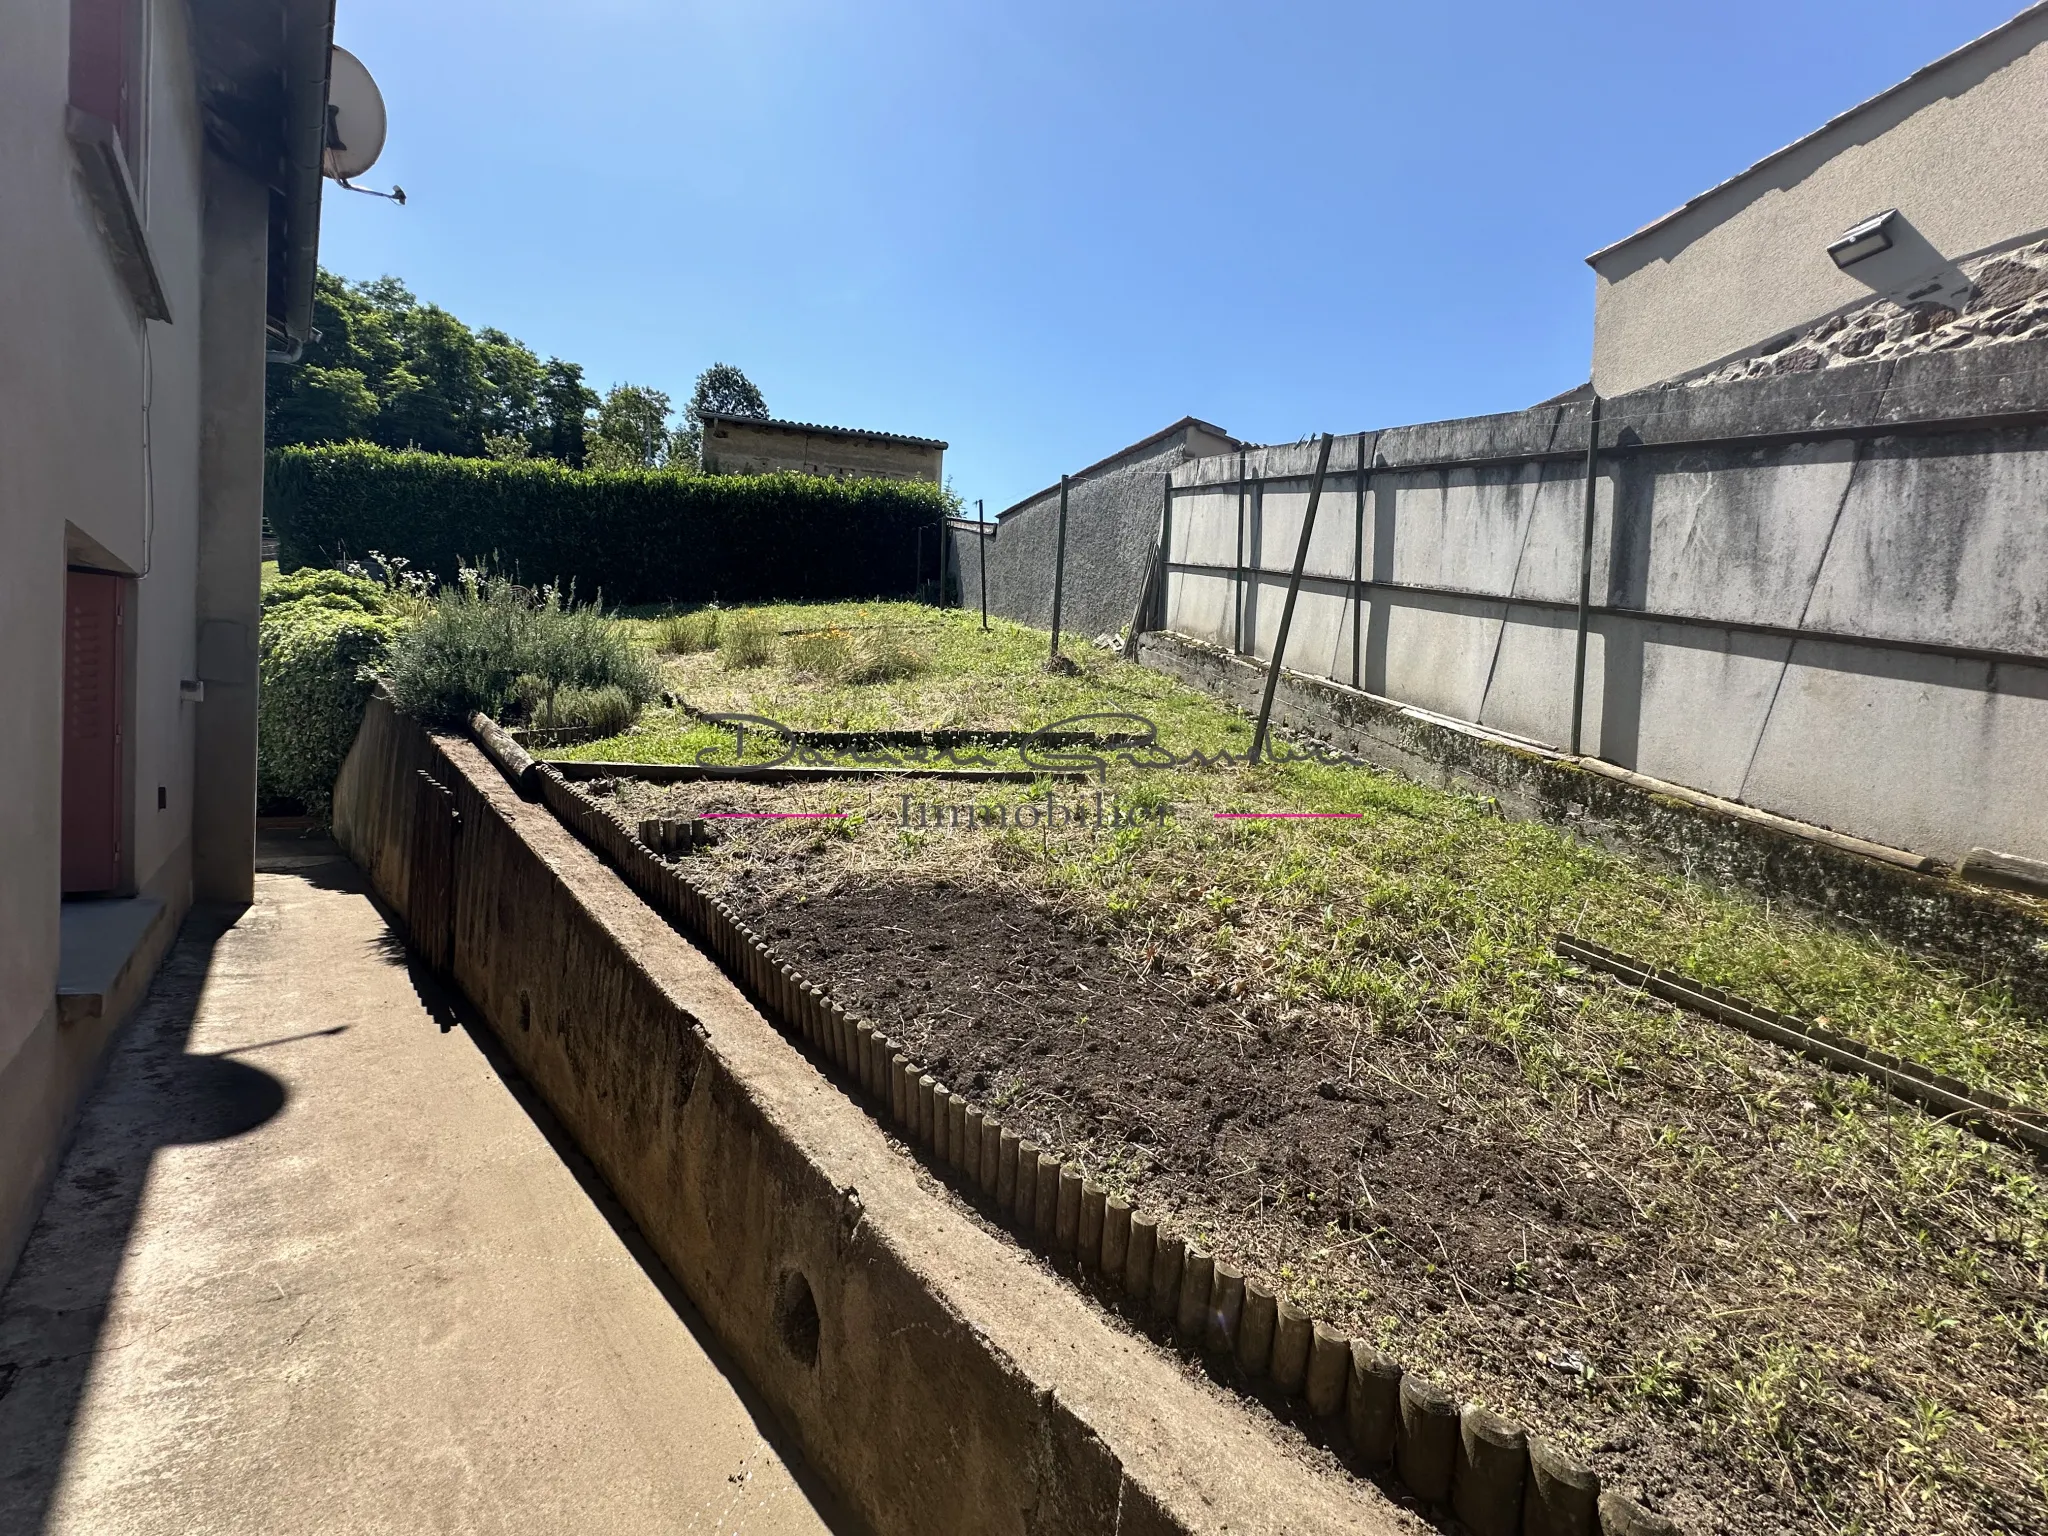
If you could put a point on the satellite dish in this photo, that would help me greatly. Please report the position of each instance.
(355, 117)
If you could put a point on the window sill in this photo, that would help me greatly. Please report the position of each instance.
(109, 950)
(105, 170)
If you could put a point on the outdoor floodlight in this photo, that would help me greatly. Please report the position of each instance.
(1866, 239)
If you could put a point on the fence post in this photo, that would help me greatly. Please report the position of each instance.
(1308, 525)
(981, 548)
(1585, 574)
(1059, 571)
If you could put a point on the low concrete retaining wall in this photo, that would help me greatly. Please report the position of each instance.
(1888, 891)
(937, 1377)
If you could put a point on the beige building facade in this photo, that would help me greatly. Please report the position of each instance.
(1957, 154)
(160, 171)
(750, 445)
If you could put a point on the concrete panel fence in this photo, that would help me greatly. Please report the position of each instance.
(1823, 595)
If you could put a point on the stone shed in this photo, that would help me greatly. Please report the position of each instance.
(759, 445)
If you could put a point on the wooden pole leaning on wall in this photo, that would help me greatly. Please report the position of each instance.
(1308, 528)
(1365, 448)
(1156, 619)
(1059, 571)
(1237, 571)
(1585, 575)
(981, 546)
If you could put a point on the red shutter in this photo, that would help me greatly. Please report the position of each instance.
(92, 731)
(105, 60)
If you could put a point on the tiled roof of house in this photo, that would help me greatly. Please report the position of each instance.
(709, 417)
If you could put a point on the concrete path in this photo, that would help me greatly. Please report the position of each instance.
(313, 1266)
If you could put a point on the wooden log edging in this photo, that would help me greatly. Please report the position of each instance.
(797, 773)
(1983, 1111)
(937, 739)
(1463, 1462)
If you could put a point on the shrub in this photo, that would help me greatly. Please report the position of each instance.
(484, 642)
(316, 661)
(885, 657)
(745, 641)
(640, 536)
(826, 654)
(337, 590)
(686, 634)
(607, 711)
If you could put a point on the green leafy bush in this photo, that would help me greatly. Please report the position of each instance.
(638, 536)
(317, 654)
(338, 590)
(485, 642)
(826, 654)
(745, 642)
(686, 634)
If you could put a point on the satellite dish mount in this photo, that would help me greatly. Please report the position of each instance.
(355, 125)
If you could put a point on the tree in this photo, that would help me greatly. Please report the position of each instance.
(721, 390)
(385, 368)
(565, 406)
(632, 429)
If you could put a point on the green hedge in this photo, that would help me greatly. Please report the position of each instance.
(322, 633)
(637, 537)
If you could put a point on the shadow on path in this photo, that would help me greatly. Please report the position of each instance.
(53, 1311)
(451, 1010)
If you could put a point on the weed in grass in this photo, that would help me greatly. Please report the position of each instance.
(608, 711)
(686, 634)
(823, 655)
(886, 657)
(745, 641)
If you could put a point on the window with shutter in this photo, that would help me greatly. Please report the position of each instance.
(106, 67)
(94, 696)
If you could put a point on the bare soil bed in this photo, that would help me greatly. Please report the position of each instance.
(1760, 1296)
(1729, 1278)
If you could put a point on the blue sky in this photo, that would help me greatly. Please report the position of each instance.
(1041, 231)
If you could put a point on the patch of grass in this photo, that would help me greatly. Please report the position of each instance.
(685, 634)
(745, 640)
(608, 710)
(825, 655)
(888, 658)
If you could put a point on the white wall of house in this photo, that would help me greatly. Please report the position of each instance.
(100, 464)
(1960, 149)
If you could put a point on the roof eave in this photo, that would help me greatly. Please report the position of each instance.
(1946, 61)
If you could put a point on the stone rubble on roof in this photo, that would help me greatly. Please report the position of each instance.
(2011, 304)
